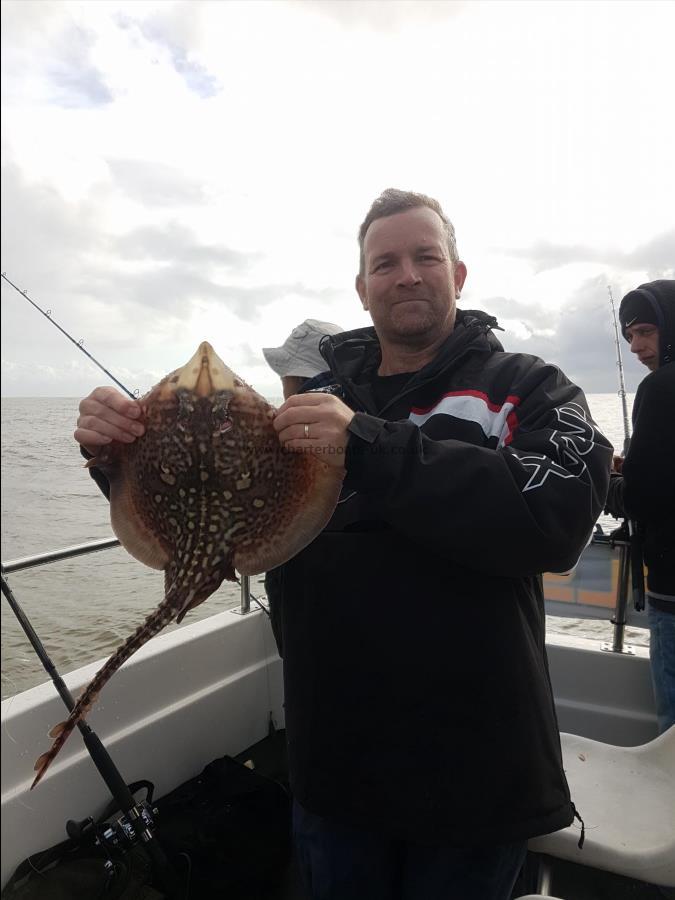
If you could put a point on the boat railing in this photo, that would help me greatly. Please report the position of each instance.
(620, 617)
(599, 587)
(42, 559)
(555, 601)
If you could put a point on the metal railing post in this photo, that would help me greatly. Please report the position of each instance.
(245, 606)
(618, 620)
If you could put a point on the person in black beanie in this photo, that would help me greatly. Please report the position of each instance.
(645, 488)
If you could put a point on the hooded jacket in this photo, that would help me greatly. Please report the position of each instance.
(418, 701)
(645, 490)
(653, 302)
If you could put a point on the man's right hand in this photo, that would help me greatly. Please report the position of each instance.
(107, 415)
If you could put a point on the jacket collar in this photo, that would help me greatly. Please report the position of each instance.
(355, 355)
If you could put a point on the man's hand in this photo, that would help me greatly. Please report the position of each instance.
(315, 423)
(617, 464)
(106, 415)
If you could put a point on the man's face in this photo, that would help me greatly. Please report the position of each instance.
(409, 284)
(644, 341)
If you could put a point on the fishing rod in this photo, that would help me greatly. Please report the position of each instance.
(634, 541)
(622, 383)
(138, 815)
(79, 344)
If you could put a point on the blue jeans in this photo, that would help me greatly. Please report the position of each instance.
(341, 863)
(662, 658)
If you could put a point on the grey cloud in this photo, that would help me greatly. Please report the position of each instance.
(169, 290)
(176, 243)
(57, 250)
(583, 345)
(252, 356)
(197, 78)
(45, 239)
(535, 318)
(45, 245)
(155, 184)
(82, 88)
(656, 256)
(174, 28)
(544, 255)
(75, 80)
(173, 291)
(43, 39)
(249, 301)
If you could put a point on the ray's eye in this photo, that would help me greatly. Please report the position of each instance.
(220, 418)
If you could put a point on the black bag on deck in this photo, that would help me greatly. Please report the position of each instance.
(227, 834)
(70, 871)
(231, 828)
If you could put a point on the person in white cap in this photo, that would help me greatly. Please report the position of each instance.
(298, 358)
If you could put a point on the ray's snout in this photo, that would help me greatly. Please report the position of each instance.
(205, 373)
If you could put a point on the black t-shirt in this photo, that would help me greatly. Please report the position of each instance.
(386, 387)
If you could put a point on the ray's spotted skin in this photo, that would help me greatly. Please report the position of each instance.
(208, 489)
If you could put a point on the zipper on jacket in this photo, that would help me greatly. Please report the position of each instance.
(452, 364)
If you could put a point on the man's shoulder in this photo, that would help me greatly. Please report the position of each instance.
(527, 379)
(655, 394)
(506, 357)
(324, 383)
(658, 381)
(519, 363)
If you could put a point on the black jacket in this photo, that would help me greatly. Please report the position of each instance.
(645, 490)
(418, 700)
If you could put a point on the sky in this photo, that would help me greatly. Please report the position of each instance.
(174, 172)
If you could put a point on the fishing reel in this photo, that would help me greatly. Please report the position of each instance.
(122, 834)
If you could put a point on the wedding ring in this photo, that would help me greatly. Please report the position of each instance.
(306, 431)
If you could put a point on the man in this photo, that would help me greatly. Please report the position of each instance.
(645, 489)
(423, 742)
(422, 737)
(298, 358)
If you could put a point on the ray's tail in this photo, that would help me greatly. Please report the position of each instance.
(154, 623)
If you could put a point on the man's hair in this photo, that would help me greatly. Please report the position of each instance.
(393, 201)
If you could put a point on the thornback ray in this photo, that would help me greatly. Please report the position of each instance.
(207, 490)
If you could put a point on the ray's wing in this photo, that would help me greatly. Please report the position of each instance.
(126, 520)
(293, 495)
(297, 523)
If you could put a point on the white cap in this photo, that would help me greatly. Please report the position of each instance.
(299, 354)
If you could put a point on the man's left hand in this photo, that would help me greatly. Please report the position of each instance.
(315, 423)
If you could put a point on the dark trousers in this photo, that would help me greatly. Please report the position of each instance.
(340, 863)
